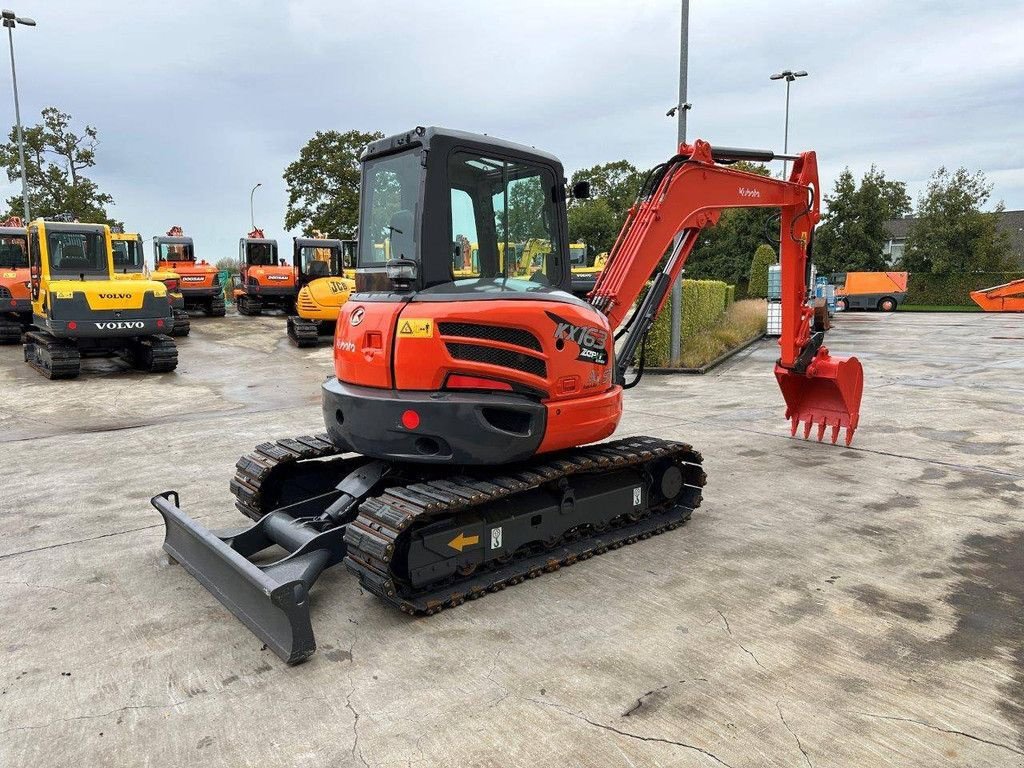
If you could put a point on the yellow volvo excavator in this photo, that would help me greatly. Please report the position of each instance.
(78, 307)
(327, 277)
(130, 264)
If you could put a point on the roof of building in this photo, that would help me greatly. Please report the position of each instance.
(1011, 222)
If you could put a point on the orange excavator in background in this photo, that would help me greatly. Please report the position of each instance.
(1008, 297)
(15, 282)
(471, 403)
(200, 281)
(264, 280)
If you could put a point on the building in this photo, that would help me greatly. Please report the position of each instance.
(1011, 222)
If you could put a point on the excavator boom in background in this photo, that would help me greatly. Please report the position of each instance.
(473, 403)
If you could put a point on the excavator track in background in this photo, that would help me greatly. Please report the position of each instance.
(10, 331)
(154, 354)
(182, 323)
(54, 358)
(303, 332)
(409, 521)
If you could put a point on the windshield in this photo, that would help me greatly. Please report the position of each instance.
(261, 254)
(128, 256)
(175, 252)
(77, 253)
(503, 219)
(318, 262)
(13, 251)
(392, 186)
(578, 255)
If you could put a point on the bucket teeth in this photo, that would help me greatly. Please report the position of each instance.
(835, 432)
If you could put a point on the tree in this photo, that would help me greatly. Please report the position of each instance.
(613, 188)
(852, 234)
(764, 257)
(55, 158)
(723, 251)
(323, 184)
(951, 233)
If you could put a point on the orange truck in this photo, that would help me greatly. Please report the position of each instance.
(200, 282)
(883, 291)
(15, 296)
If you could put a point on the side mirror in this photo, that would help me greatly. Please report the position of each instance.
(581, 190)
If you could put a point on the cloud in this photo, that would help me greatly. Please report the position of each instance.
(196, 102)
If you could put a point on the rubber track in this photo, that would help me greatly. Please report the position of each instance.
(182, 324)
(303, 332)
(10, 331)
(64, 358)
(372, 537)
(255, 468)
(161, 351)
(217, 307)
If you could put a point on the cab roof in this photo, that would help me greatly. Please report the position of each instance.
(424, 136)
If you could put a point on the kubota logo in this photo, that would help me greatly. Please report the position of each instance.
(120, 325)
(357, 316)
(747, 192)
(115, 295)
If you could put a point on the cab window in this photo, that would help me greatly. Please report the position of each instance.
(77, 253)
(318, 262)
(392, 185)
(12, 252)
(261, 254)
(503, 219)
(127, 256)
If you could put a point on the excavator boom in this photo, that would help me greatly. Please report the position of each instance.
(689, 193)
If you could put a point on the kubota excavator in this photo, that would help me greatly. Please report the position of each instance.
(15, 285)
(471, 403)
(264, 280)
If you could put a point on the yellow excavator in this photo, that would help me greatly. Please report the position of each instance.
(326, 271)
(130, 264)
(586, 267)
(79, 308)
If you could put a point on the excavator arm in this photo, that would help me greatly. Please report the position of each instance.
(679, 199)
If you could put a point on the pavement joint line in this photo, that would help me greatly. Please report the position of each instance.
(82, 541)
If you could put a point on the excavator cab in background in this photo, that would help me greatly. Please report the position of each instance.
(15, 295)
(265, 281)
(130, 264)
(199, 281)
(79, 308)
(471, 402)
(323, 266)
(586, 266)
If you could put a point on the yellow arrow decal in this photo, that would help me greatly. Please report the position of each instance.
(462, 541)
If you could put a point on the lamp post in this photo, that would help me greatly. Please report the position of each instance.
(680, 110)
(789, 76)
(10, 20)
(252, 215)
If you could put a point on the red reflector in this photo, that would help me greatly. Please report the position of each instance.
(458, 381)
(72, 325)
(14, 302)
(159, 323)
(410, 419)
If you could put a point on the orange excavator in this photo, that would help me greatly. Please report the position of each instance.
(473, 405)
(264, 280)
(199, 281)
(1008, 297)
(15, 282)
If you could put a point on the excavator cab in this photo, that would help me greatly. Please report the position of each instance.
(15, 301)
(265, 280)
(315, 257)
(325, 287)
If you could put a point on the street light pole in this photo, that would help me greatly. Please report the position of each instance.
(789, 76)
(252, 215)
(675, 341)
(10, 20)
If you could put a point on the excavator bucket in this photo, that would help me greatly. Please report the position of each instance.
(826, 396)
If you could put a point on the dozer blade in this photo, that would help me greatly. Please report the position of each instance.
(827, 395)
(272, 600)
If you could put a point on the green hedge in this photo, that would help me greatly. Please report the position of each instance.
(704, 301)
(952, 290)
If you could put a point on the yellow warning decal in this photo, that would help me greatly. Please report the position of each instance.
(416, 328)
(10, 274)
(65, 294)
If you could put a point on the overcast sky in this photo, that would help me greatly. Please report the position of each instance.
(196, 102)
